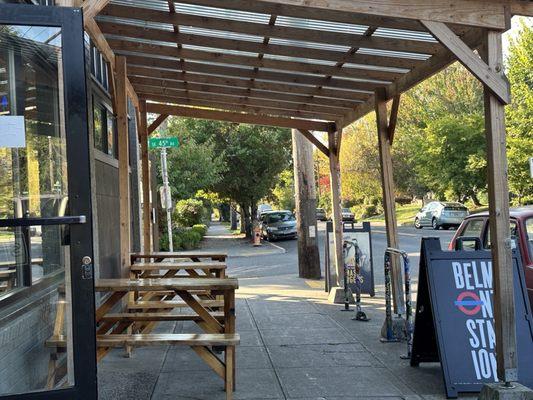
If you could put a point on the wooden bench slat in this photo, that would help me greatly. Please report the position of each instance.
(124, 284)
(214, 265)
(147, 316)
(147, 304)
(180, 254)
(156, 339)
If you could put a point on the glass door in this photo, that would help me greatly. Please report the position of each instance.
(47, 335)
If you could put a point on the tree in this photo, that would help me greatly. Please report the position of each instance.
(520, 114)
(283, 193)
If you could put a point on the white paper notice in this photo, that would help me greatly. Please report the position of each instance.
(312, 233)
(12, 131)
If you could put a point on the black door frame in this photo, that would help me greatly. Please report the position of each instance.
(79, 188)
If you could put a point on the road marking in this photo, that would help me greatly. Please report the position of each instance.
(315, 284)
(277, 247)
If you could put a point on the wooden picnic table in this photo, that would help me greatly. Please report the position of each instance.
(200, 269)
(191, 255)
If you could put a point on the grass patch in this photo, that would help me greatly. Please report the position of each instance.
(405, 215)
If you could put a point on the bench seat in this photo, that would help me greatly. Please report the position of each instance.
(157, 316)
(156, 339)
(214, 265)
(147, 304)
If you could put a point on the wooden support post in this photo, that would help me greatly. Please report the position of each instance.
(147, 206)
(387, 183)
(335, 183)
(305, 196)
(155, 201)
(500, 235)
(121, 101)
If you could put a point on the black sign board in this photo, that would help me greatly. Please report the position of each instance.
(361, 234)
(454, 318)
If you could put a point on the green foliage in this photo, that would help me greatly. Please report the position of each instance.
(200, 228)
(520, 114)
(283, 192)
(189, 212)
(182, 239)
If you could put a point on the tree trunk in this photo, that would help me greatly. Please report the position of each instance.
(475, 200)
(305, 193)
(247, 222)
(242, 220)
(233, 218)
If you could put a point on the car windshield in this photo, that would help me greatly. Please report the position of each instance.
(529, 234)
(279, 217)
(346, 210)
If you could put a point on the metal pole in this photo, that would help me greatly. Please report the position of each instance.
(168, 205)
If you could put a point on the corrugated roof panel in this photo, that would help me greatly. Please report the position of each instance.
(217, 50)
(389, 53)
(310, 45)
(151, 4)
(320, 25)
(298, 59)
(376, 67)
(403, 34)
(221, 34)
(221, 13)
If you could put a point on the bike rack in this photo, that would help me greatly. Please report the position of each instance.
(390, 337)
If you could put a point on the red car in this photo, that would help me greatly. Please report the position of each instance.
(477, 225)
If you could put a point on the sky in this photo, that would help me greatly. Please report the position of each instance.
(514, 31)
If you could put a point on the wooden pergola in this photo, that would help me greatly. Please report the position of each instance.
(310, 65)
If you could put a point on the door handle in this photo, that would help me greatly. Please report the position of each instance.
(16, 222)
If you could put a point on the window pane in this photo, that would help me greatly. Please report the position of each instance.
(529, 234)
(98, 126)
(110, 134)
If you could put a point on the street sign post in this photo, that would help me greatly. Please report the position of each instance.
(531, 166)
(163, 143)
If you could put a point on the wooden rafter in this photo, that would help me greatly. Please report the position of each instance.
(318, 144)
(160, 35)
(205, 76)
(237, 117)
(272, 31)
(158, 121)
(241, 90)
(246, 108)
(482, 13)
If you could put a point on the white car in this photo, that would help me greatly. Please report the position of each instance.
(439, 214)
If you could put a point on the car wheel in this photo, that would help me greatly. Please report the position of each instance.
(435, 224)
(417, 224)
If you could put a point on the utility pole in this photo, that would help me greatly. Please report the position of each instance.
(167, 199)
(305, 191)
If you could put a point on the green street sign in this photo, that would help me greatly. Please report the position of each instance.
(159, 143)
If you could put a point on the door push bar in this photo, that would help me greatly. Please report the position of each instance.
(17, 222)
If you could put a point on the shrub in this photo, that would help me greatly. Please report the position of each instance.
(189, 212)
(183, 239)
(200, 228)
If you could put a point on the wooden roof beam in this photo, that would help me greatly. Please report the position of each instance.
(222, 98)
(158, 121)
(238, 117)
(481, 13)
(243, 72)
(152, 71)
(135, 32)
(318, 144)
(272, 31)
(240, 91)
(224, 106)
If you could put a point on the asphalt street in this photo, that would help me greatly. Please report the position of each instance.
(286, 263)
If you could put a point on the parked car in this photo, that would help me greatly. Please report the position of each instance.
(321, 214)
(439, 214)
(278, 225)
(263, 208)
(477, 226)
(347, 215)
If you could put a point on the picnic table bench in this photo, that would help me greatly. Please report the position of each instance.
(121, 329)
(213, 269)
(191, 255)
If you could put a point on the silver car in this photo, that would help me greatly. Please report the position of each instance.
(278, 225)
(438, 214)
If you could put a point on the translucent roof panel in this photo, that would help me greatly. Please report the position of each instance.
(403, 34)
(152, 4)
(298, 59)
(217, 50)
(320, 25)
(376, 67)
(221, 13)
(389, 53)
(221, 34)
(310, 45)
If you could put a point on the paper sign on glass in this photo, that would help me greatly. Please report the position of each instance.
(12, 131)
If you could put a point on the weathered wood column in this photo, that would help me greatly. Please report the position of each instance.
(147, 206)
(500, 235)
(121, 101)
(387, 183)
(336, 213)
(305, 196)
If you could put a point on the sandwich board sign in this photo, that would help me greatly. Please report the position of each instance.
(361, 235)
(455, 318)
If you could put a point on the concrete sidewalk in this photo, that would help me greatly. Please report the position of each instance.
(294, 345)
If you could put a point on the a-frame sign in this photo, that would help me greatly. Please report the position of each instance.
(454, 318)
